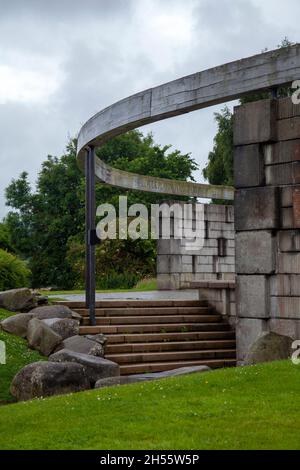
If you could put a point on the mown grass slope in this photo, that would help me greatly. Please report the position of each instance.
(18, 355)
(238, 408)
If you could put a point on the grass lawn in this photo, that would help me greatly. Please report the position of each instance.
(238, 408)
(142, 286)
(17, 356)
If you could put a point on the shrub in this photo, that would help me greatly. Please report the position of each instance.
(13, 271)
(120, 264)
(5, 238)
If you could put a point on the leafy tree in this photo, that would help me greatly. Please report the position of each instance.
(14, 272)
(18, 195)
(5, 238)
(139, 154)
(220, 159)
(43, 220)
(119, 263)
(219, 169)
(47, 224)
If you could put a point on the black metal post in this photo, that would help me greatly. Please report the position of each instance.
(90, 233)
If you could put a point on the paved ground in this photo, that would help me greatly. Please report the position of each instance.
(151, 295)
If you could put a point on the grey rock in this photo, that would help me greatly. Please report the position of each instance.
(42, 379)
(98, 338)
(54, 311)
(76, 316)
(121, 380)
(96, 367)
(17, 299)
(174, 372)
(17, 324)
(65, 327)
(269, 347)
(129, 379)
(41, 337)
(83, 345)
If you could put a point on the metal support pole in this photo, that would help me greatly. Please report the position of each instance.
(90, 233)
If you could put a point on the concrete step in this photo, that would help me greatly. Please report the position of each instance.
(158, 328)
(154, 320)
(166, 356)
(158, 335)
(169, 346)
(151, 311)
(136, 303)
(141, 368)
(166, 337)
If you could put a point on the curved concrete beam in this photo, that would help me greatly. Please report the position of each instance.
(199, 90)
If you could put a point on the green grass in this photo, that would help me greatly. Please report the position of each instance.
(17, 356)
(240, 408)
(143, 286)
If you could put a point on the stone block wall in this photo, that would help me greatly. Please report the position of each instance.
(178, 267)
(267, 220)
(220, 295)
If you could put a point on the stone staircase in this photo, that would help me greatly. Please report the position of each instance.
(153, 336)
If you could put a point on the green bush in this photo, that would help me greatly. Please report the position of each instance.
(5, 238)
(120, 264)
(13, 272)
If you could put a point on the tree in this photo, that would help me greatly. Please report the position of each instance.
(47, 224)
(220, 159)
(139, 154)
(5, 238)
(14, 272)
(43, 220)
(219, 169)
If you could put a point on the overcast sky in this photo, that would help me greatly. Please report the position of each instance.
(61, 61)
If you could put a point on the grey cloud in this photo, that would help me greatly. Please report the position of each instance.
(100, 50)
(62, 10)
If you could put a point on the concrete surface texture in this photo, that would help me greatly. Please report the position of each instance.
(185, 294)
(267, 221)
(196, 91)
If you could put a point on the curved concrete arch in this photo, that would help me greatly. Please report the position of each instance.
(199, 90)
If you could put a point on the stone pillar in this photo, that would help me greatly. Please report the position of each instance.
(267, 220)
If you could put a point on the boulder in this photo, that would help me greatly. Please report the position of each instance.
(41, 337)
(43, 379)
(96, 367)
(65, 327)
(83, 345)
(99, 338)
(54, 311)
(269, 347)
(121, 380)
(173, 372)
(17, 324)
(129, 379)
(17, 299)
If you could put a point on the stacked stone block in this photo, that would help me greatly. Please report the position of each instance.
(178, 266)
(267, 220)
